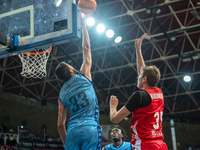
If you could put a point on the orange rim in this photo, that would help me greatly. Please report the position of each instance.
(38, 52)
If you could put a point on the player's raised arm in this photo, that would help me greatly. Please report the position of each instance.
(87, 59)
(62, 116)
(140, 60)
(117, 116)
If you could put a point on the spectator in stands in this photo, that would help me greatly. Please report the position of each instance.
(50, 139)
(1, 140)
(11, 131)
(8, 141)
(14, 142)
(24, 136)
(190, 147)
(30, 135)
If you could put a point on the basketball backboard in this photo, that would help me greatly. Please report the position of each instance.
(39, 23)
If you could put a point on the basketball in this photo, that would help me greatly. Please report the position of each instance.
(87, 6)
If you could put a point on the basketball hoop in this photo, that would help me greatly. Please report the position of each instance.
(34, 63)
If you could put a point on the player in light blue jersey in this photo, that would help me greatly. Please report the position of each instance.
(118, 144)
(78, 96)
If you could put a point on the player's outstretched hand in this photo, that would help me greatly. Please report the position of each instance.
(138, 43)
(113, 101)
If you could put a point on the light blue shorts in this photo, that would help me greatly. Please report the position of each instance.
(84, 138)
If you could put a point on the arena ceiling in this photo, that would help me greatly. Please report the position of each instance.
(172, 44)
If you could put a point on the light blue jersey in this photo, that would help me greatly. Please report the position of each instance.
(123, 146)
(84, 131)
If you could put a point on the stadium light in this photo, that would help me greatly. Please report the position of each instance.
(110, 33)
(187, 78)
(100, 28)
(158, 11)
(57, 2)
(90, 21)
(118, 39)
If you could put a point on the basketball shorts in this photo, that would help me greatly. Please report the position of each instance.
(84, 138)
(151, 145)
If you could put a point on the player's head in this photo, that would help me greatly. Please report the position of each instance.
(116, 135)
(65, 71)
(148, 75)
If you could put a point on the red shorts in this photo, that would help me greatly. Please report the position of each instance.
(151, 145)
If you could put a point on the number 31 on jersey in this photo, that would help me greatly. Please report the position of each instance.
(158, 117)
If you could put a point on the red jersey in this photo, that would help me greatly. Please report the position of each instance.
(146, 123)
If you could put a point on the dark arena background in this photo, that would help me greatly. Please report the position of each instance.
(29, 107)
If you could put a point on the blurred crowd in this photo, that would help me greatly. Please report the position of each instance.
(9, 138)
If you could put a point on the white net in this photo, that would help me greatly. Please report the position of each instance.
(34, 63)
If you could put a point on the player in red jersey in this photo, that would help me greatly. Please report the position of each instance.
(146, 106)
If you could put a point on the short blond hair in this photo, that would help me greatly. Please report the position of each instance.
(152, 73)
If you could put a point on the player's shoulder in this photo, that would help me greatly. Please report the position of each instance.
(84, 77)
(128, 144)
